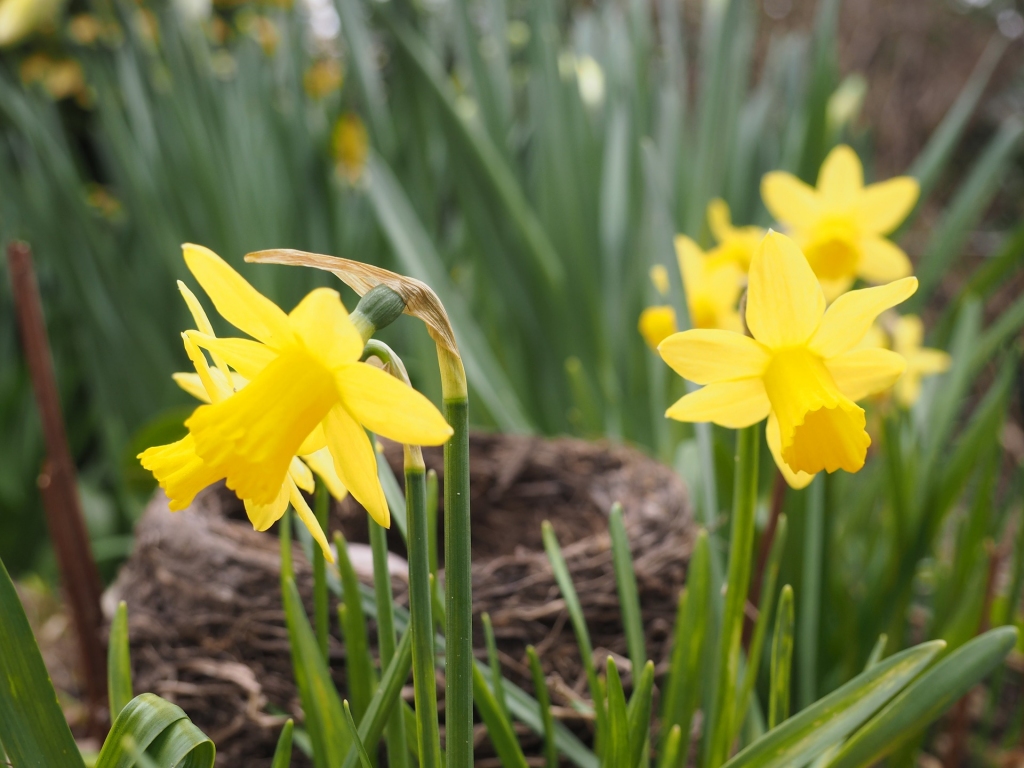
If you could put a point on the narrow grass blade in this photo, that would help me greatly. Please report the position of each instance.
(353, 734)
(33, 731)
(670, 754)
(387, 701)
(359, 41)
(618, 720)
(639, 715)
(971, 201)
(119, 663)
(540, 688)
(876, 652)
(320, 701)
(810, 732)
(765, 609)
(283, 751)
(682, 691)
(741, 544)
(499, 728)
(926, 698)
(321, 609)
(284, 532)
(358, 664)
(579, 622)
(810, 584)
(782, 660)
(398, 749)
(629, 595)
(497, 679)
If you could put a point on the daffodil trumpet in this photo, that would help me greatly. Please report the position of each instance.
(800, 367)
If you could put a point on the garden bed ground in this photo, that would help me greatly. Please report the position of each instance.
(206, 624)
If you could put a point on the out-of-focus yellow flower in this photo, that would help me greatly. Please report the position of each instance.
(85, 29)
(178, 461)
(657, 324)
(712, 285)
(350, 145)
(840, 225)
(323, 78)
(20, 18)
(264, 32)
(307, 389)
(659, 278)
(60, 78)
(735, 243)
(907, 336)
(147, 25)
(106, 204)
(800, 370)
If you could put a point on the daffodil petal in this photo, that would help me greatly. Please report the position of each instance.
(841, 178)
(301, 475)
(784, 298)
(928, 362)
(247, 357)
(908, 389)
(732, 404)
(882, 261)
(789, 200)
(705, 356)
(356, 463)
(309, 520)
(719, 219)
(850, 317)
(316, 441)
(865, 372)
(217, 389)
(237, 301)
(385, 405)
(883, 206)
(191, 383)
(322, 463)
(773, 436)
(907, 334)
(323, 324)
(262, 516)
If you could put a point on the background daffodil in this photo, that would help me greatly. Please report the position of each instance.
(657, 324)
(907, 338)
(712, 285)
(307, 390)
(840, 225)
(736, 244)
(181, 472)
(800, 370)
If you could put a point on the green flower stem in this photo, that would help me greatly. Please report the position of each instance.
(321, 609)
(420, 614)
(810, 592)
(398, 752)
(458, 584)
(748, 442)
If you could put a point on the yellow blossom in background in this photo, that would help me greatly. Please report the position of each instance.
(306, 389)
(20, 18)
(734, 243)
(350, 145)
(323, 78)
(840, 225)
(656, 324)
(60, 78)
(177, 462)
(907, 336)
(659, 279)
(712, 285)
(85, 29)
(801, 370)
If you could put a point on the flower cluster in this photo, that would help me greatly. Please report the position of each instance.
(292, 398)
(797, 360)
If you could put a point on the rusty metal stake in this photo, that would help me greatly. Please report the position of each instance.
(58, 486)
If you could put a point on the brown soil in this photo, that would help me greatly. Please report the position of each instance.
(202, 588)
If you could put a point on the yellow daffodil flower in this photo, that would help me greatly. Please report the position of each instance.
(214, 385)
(712, 285)
(840, 225)
(659, 279)
(657, 324)
(800, 370)
(736, 244)
(907, 335)
(350, 146)
(306, 390)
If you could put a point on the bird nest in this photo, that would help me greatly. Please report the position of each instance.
(207, 628)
